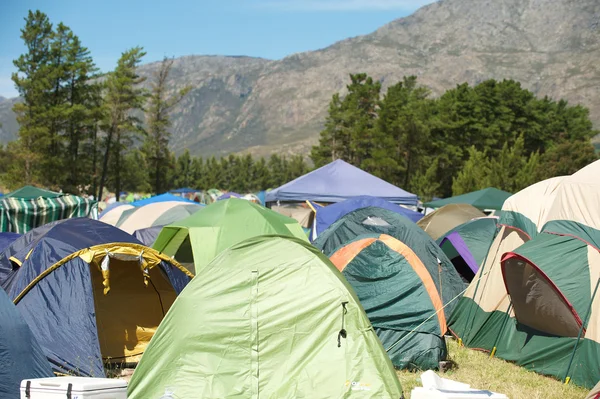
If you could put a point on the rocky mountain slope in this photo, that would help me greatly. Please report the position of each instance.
(262, 106)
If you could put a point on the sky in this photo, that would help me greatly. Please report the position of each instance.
(270, 29)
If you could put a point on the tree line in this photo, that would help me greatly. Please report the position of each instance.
(81, 131)
(239, 173)
(493, 134)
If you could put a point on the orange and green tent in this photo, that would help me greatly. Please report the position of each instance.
(403, 278)
(400, 297)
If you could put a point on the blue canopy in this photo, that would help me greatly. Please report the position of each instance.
(161, 198)
(21, 357)
(337, 182)
(326, 216)
(69, 295)
(6, 239)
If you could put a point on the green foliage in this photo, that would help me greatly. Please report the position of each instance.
(60, 107)
(511, 170)
(566, 158)
(474, 175)
(350, 125)
(122, 97)
(239, 173)
(493, 134)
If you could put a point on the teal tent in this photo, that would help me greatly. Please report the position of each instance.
(488, 198)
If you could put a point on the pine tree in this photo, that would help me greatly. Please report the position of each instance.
(82, 117)
(474, 175)
(33, 83)
(123, 97)
(156, 145)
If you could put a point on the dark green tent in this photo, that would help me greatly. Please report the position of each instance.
(403, 278)
(31, 192)
(488, 198)
(468, 244)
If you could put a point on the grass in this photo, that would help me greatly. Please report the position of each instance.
(477, 369)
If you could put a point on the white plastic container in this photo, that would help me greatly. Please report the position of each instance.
(76, 387)
(435, 387)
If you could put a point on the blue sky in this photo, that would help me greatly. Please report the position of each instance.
(261, 28)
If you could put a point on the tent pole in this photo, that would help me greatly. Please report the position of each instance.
(589, 311)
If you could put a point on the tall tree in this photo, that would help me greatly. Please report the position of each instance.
(156, 145)
(83, 114)
(349, 127)
(33, 83)
(123, 96)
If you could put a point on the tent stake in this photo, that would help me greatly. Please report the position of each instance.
(567, 378)
(493, 352)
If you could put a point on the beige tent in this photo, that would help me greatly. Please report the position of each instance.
(441, 221)
(156, 214)
(537, 290)
(594, 393)
(533, 202)
(112, 216)
(302, 213)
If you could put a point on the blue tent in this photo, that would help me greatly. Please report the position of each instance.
(160, 198)
(184, 190)
(148, 235)
(228, 195)
(6, 239)
(337, 182)
(21, 357)
(326, 216)
(8, 263)
(92, 294)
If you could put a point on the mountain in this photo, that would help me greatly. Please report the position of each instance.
(262, 106)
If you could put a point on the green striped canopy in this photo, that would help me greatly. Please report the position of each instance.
(30, 207)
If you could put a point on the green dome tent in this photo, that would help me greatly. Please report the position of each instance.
(399, 296)
(419, 252)
(196, 240)
(488, 198)
(271, 317)
(468, 244)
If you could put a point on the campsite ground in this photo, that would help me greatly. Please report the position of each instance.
(478, 370)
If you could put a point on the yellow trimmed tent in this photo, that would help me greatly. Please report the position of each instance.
(93, 295)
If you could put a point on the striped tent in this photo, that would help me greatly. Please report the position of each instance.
(30, 207)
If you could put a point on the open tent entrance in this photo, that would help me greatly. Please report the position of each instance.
(128, 315)
(185, 255)
(460, 256)
(537, 301)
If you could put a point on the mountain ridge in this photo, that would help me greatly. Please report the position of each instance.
(262, 106)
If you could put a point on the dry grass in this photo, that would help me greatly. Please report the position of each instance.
(478, 370)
